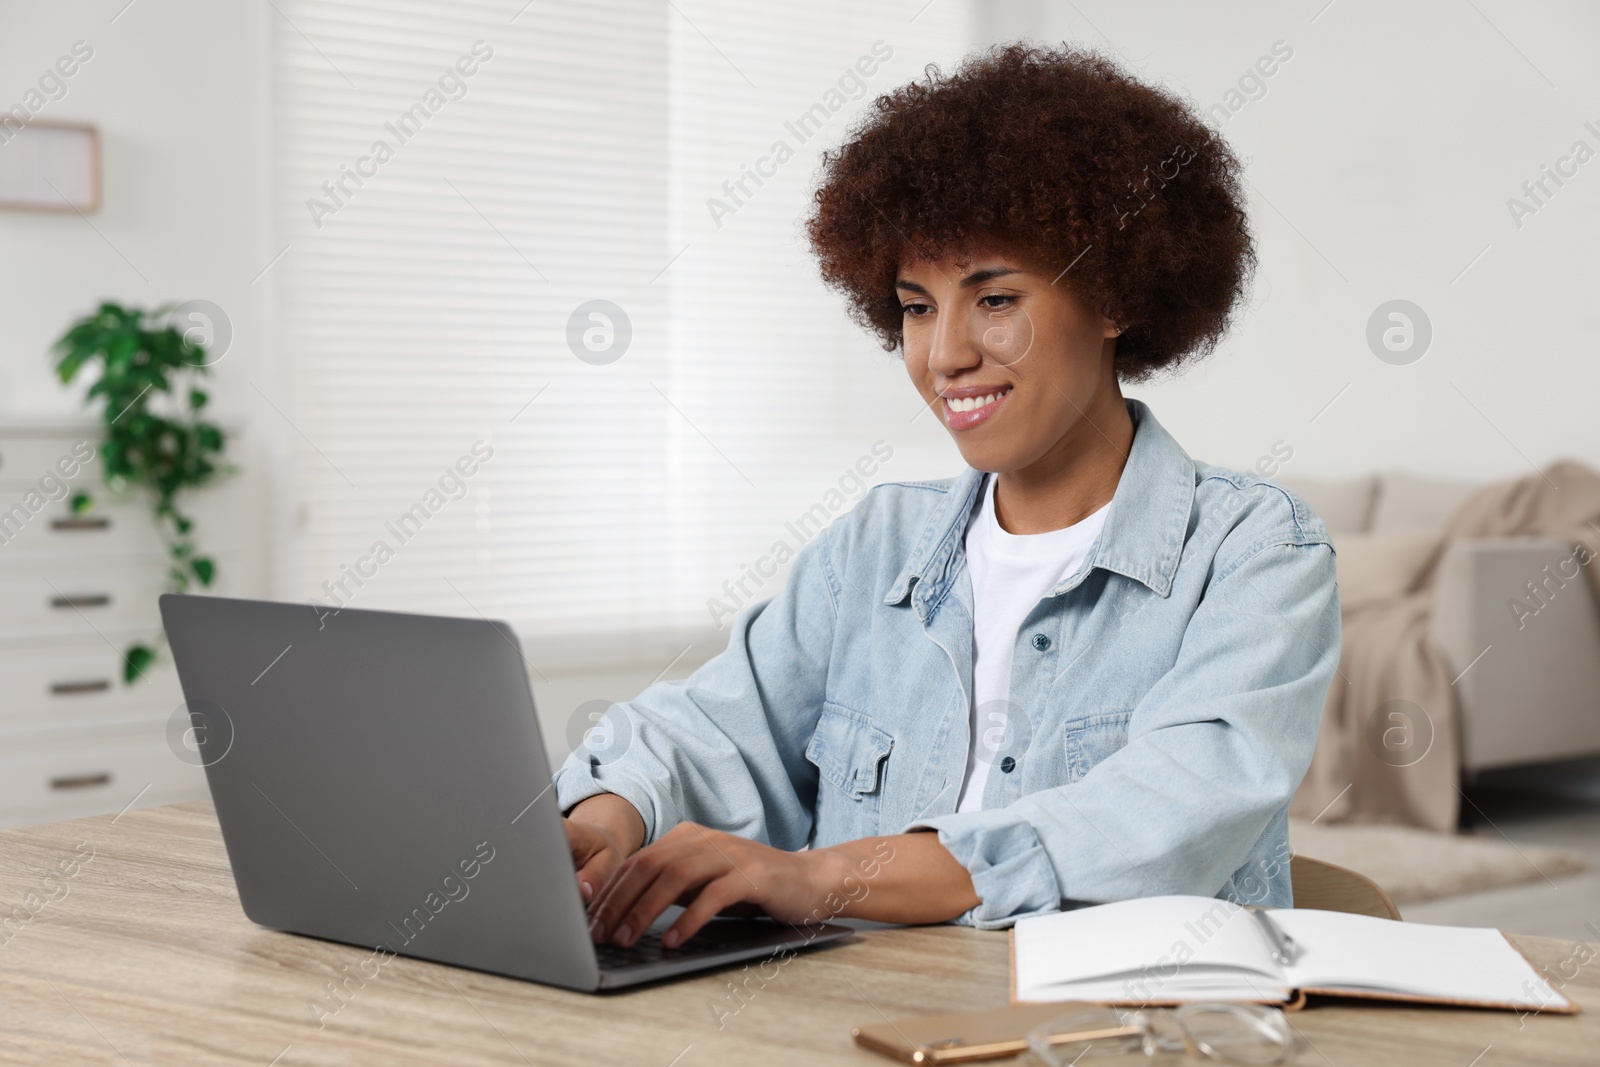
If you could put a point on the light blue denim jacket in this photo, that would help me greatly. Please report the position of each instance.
(1165, 697)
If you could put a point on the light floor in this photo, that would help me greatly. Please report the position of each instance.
(1554, 806)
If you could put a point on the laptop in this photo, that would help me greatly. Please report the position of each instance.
(380, 780)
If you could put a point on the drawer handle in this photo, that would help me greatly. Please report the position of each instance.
(63, 689)
(81, 781)
(97, 600)
(70, 525)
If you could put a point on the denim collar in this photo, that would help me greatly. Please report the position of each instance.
(1142, 539)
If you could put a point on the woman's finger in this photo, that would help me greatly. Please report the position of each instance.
(721, 892)
(592, 855)
(684, 876)
(593, 875)
(624, 887)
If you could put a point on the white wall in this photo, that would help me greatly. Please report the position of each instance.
(1382, 155)
(179, 93)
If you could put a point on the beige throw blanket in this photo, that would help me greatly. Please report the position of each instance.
(1388, 751)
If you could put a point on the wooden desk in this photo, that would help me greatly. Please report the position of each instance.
(147, 958)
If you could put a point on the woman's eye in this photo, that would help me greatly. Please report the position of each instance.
(996, 300)
(915, 310)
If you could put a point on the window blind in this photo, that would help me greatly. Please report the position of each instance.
(479, 203)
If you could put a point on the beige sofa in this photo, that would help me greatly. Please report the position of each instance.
(1523, 641)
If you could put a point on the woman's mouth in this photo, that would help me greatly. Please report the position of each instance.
(965, 412)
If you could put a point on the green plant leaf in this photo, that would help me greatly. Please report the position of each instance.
(148, 445)
(72, 361)
(136, 660)
(82, 503)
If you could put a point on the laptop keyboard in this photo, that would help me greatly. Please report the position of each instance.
(649, 949)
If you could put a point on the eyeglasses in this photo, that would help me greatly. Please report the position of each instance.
(1233, 1033)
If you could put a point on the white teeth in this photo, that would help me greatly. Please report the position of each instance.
(973, 403)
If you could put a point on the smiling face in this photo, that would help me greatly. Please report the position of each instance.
(1019, 369)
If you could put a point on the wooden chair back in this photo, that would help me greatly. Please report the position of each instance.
(1329, 887)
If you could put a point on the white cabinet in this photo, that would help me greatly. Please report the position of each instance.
(77, 591)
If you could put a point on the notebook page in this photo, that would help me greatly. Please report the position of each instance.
(1366, 954)
(1150, 948)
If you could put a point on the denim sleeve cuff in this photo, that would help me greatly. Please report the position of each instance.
(1009, 867)
(575, 784)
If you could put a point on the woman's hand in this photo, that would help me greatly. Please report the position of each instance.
(708, 871)
(907, 878)
(602, 831)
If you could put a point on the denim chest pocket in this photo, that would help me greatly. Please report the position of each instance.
(851, 756)
(849, 752)
(1092, 739)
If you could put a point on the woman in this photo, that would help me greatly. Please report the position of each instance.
(1088, 667)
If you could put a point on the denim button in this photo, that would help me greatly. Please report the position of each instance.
(1008, 765)
(1041, 642)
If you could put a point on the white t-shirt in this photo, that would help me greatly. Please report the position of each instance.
(1010, 573)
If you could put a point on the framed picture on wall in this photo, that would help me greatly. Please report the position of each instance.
(49, 166)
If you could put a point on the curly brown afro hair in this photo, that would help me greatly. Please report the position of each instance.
(1060, 157)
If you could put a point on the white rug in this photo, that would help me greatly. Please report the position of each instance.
(1414, 865)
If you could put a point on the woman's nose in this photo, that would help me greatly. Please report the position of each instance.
(952, 349)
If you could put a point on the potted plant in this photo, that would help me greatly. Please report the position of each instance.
(155, 441)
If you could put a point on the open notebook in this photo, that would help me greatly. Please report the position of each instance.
(1166, 950)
